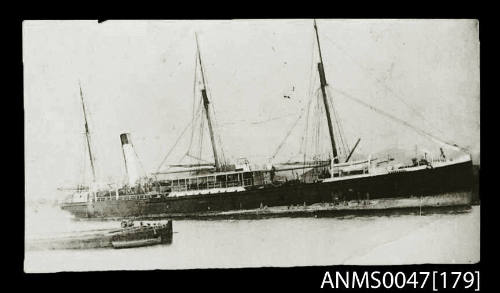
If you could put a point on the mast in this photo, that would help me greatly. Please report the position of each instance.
(207, 112)
(322, 78)
(87, 135)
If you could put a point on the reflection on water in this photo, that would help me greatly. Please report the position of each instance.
(402, 239)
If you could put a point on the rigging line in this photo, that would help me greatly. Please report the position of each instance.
(198, 145)
(401, 121)
(338, 122)
(196, 127)
(303, 139)
(209, 93)
(216, 124)
(313, 93)
(180, 160)
(217, 129)
(311, 71)
(202, 133)
(218, 136)
(303, 146)
(175, 144)
(314, 126)
(307, 127)
(84, 165)
(340, 126)
(310, 95)
(306, 132)
(195, 79)
(319, 112)
(223, 156)
(194, 119)
(288, 133)
(312, 122)
(194, 93)
(337, 127)
(384, 85)
(259, 121)
(272, 119)
(139, 160)
(314, 135)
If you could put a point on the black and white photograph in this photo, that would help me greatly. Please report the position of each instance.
(250, 143)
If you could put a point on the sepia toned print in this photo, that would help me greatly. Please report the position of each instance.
(297, 142)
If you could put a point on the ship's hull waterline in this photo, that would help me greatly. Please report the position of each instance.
(444, 186)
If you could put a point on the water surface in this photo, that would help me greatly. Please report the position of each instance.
(284, 242)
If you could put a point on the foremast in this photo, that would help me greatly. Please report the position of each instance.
(206, 103)
(322, 78)
(87, 136)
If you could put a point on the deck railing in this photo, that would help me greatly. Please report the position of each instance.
(128, 197)
(204, 186)
(213, 185)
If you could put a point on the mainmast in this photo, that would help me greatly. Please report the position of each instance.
(207, 112)
(87, 136)
(322, 78)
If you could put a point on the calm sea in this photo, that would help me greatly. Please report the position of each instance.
(401, 239)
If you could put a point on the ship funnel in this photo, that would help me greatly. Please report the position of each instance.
(130, 158)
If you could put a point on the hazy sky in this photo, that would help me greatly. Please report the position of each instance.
(137, 77)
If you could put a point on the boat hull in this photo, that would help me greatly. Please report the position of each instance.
(136, 243)
(107, 238)
(449, 185)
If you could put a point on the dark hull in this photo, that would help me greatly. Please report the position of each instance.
(430, 182)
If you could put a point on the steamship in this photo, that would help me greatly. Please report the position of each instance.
(333, 182)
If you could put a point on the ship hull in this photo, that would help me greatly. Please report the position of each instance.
(449, 185)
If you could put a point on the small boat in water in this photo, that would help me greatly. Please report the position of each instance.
(143, 235)
(129, 235)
